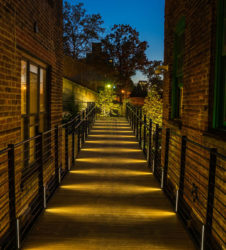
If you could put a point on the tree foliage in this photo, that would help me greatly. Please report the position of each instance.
(153, 105)
(105, 102)
(154, 79)
(80, 29)
(127, 52)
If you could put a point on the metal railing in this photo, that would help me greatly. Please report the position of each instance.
(192, 175)
(31, 170)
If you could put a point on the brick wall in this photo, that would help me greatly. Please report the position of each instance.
(17, 19)
(18, 39)
(196, 119)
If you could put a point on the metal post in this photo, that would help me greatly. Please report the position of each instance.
(73, 143)
(56, 153)
(12, 196)
(167, 138)
(203, 238)
(140, 141)
(78, 129)
(44, 194)
(144, 137)
(85, 123)
(182, 169)
(150, 145)
(83, 127)
(156, 146)
(18, 232)
(177, 199)
(162, 178)
(66, 147)
(137, 122)
(210, 199)
(59, 175)
(40, 174)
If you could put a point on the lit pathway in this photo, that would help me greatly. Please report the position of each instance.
(109, 201)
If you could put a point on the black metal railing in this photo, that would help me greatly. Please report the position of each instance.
(192, 175)
(31, 171)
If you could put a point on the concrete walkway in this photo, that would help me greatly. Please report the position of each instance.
(109, 200)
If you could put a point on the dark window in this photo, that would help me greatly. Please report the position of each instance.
(177, 85)
(219, 112)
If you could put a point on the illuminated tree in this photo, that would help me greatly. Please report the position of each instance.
(105, 102)
(153, 105)
(128, 53)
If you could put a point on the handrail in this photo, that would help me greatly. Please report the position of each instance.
(54, 150)
(189, 178)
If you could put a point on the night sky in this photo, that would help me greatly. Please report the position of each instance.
(147, 16)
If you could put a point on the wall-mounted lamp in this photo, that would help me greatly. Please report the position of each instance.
(160, 69)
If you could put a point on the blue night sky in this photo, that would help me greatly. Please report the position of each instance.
(146, 16)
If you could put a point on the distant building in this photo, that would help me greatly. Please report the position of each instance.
(195, 103)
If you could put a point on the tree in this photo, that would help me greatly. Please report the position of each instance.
(153, 106)
(105, 102)
(80, 29)
(153, 78)
(127, 52)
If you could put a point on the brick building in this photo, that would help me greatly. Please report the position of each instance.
(31, 53)
(31, 60)
(195, 107)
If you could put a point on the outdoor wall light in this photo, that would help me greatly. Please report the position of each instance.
(160, 69)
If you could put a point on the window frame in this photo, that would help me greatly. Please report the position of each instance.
(25, 118)
(219, 98)
(179, 31)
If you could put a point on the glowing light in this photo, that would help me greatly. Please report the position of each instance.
(113, 171)
(108, 86)
(110, 213)
(110, 131)
(123, 91)
(113, 136)
(110, 150)
(109, 188)
(112, 142)
(112, 127)
(117, 160)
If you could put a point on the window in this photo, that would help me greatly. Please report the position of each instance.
(177, 86)
(33, 105)
(219, 112)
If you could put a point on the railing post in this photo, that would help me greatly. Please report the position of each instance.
(56, 154)
(182, 170)
(166, 156)
(144, 139)
(156, 146)
(78, 129)
(150, 160)
(210, 199)
(12, 195)
(66, 147)
(83, 127)
(137, 122)
(40, 172)
(85, 123)
(140, 139)
(73, 143)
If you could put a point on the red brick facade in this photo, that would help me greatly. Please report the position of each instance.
(197, 112)
(17, 36)
(30, 30)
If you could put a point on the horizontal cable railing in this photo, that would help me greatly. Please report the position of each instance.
(31, 170)
(192, 175)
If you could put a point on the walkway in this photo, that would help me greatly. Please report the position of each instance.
(109, 200)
